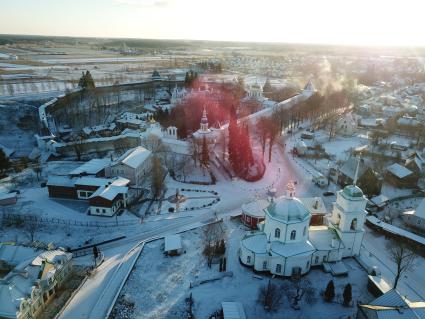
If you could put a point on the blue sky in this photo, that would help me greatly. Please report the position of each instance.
(395, 22)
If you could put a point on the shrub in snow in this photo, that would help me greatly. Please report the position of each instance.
(347, 295)
(329, 294)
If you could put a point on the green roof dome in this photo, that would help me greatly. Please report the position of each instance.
(353, 191)
(288, 209)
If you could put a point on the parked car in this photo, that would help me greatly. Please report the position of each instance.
(327, 194)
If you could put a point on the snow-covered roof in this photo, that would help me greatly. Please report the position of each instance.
(380, 200)
(392, 305)
(60, 181)
(321, 238)
(91, 167)
(256, 242)
(134, 157)
(99, 128)
(172, 242)
(256, 207)
(14, 254)
(350, 166)
(6, 150)
(233, 310)
(416, 160)
(314, 204)
(94, 181)
(51, 256)
(420, 210)
(309, 86)
(4, 196)
(399, 171)
(291, 249)
(110, 192)
(17, 286)
(288, 209)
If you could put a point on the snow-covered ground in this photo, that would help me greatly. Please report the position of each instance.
(159, 285)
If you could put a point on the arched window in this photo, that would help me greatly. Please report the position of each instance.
(278, 268)
(353, 224)
(338, 219)
(293, 234)
(248, 259)
(277, 233)
(305, 230)
(264, 264)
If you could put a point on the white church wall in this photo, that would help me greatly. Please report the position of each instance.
(351, 205)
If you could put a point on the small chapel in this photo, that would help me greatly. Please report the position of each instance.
(285, 244)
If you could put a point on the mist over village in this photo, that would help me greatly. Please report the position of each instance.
(228, 160)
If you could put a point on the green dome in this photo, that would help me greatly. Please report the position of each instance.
(353, 191)
(288, 209)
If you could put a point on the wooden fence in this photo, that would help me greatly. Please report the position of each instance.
(24, 218)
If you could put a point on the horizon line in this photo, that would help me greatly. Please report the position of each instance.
(357, 45)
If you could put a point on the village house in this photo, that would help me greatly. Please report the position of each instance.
(101, 130)
(173, 245)
(416, 218)
(108, 200)
(253, 212)
(32, 280)
(95, 167)
(135, 165)
(346, 125)
(401, 176)
(80, 188)
(367, 178)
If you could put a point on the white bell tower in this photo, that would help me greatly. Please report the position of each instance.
(204, 121)
(348, 217)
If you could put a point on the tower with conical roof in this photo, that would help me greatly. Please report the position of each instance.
(204, 121)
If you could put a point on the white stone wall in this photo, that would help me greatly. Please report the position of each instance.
(300, 228)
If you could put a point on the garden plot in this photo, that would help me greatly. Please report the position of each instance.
(159, 285)
(193, 199)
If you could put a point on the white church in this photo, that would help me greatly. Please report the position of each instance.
(287, 245)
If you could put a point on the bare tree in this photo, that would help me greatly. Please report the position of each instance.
(403, 257)
(262, 130)
(298, 290)
(31, 226)
(154, 144)
(270, 297)
(157, 177)
(214, 234)
(38, 169)
(77, 145)
(273, 132)
(194, 150)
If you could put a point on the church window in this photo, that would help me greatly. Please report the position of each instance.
(353, 224)
(324, 258)
(316, 260)
(305, 230)
(277, 233)
(264, 264)
(293, 234)
(278, 268)
(248, 259)
(308, 265)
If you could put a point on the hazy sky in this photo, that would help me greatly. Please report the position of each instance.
(394, 22)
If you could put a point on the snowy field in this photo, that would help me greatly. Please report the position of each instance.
(159, 285)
